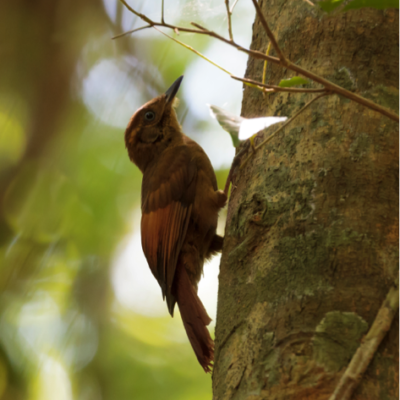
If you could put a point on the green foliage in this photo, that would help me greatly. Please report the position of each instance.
(379, 4)
(331, 5)
(155, 368)
(295, 81)
(68, 192)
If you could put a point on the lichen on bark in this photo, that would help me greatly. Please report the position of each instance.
(336, 339)
(312, 229)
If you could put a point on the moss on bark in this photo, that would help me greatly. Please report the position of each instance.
(311, 243)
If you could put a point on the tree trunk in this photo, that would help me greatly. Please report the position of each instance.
(311, 243)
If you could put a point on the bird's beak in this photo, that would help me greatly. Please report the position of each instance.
(171, 92)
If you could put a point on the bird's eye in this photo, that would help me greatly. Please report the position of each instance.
(149, 116)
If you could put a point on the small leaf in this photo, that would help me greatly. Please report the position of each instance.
(241, 128)
(379, 4)
(295, 81)
(330, 5)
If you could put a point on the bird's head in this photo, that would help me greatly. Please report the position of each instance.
(153, 128)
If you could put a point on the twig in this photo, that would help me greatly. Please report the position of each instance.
(164, 24)
(162, 12)
(246, 146)
(309, 2)
(345, 93)
(229, 180)
(141, 16)
(119, 14)
(364, 354)
(193, 50)
(233, 6)
(132, 31)
(228, 12)
(235, 163)
(265, 63)
(259, 55)
(183, 118)
(328, 85)
(278, 88)
(283, 126)
(270, 34)
(291, 119)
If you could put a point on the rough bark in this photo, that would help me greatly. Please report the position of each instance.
(311, 243)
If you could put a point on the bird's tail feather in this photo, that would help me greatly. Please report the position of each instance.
(195, 319)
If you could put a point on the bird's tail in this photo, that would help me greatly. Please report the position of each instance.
(195, 318)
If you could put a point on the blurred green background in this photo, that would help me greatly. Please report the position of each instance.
(81, 317)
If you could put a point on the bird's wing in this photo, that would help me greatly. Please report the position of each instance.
(168, 192)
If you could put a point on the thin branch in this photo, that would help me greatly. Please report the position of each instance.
(283, 126)
(246, 146)
(364, 354)
(309, 2)
(141, 16)
(345, 93)
(266, 63)
(278, 88)
(119, 14)
(183, 118)
(235, 163)
(132, 31)
(270, 34)
(233, 6)
(164, 24)
(264, 75)
(328, 85)
(259, 55)
(193, 50)
(228, 181)
(162, 12)
(205, 30)
(291, 119)
(229, 13)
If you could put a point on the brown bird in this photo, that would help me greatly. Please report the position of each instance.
(180, 204)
